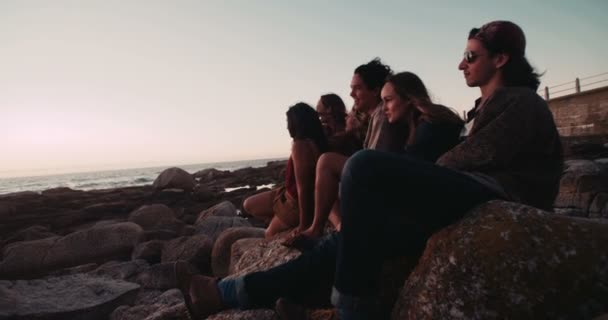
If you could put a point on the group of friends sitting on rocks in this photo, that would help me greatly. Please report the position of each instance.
(390, 173)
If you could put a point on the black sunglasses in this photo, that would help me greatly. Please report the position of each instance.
(470, 56)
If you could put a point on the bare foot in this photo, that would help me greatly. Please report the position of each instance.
(312, 233)
(300, 241)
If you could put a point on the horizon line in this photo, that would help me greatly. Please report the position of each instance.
(31, 173)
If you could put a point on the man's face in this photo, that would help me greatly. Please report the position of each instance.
(481, 67)
(365, 99)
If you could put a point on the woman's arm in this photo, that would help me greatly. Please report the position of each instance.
(305, 155)
(432, 140)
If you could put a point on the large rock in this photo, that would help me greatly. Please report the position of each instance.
(158, 276)
(168, 305)
(28, 234)
(77, 296)
(150, 251)
(194, 249)
(158, 221)
(203, 193)
(222, 209)
(507, 260)
(238, 249)
(121, 270)
(60, 191)
(7, 209)
(213, 226)
(221, 253)
(583, 188)
(152, 216)
(30, 259)
(207, 175)
(257, 314)
(174, 178)
(599, 206)
(261, 254)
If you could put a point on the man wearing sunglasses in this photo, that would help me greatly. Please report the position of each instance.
(494, 58)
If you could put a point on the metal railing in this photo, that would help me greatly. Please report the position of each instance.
(574, 86)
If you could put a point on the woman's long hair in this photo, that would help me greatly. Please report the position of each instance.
(412, 91)
(337, 108)
(303, 123)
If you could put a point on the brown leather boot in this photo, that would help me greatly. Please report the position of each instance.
(201, 293)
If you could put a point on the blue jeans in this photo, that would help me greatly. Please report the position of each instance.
(306, 279)
(390, 205)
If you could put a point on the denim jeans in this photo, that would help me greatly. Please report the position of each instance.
(390, 205)
(305, 279)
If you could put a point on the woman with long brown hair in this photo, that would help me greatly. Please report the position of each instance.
(288, 206)
(332, 113)
(406, 100)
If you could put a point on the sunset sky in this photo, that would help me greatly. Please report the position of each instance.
(100, 84)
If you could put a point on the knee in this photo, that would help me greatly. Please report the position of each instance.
(324, 161)
(247, 205)
(358, 164)
(269, 233)
(325, 165)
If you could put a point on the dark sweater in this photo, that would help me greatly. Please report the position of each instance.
(433, 139)
(515, 142)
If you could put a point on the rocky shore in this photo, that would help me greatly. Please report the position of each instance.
(107, 254)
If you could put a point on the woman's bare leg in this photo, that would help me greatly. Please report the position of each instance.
(275, 227)
(334, 215)
(329, 169)
(260, 205)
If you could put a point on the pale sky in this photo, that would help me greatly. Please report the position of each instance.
(104, 84)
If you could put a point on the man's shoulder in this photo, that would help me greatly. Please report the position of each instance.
(519, 93)
(515, 99)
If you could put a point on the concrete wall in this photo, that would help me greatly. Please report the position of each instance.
(582, 114)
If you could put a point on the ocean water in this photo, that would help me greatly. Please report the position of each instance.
(113, 178)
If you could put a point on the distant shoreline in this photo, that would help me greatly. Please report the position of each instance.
(125, 177)
(29, 173)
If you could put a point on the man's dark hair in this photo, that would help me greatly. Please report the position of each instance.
(507, 37)
(374, 73)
